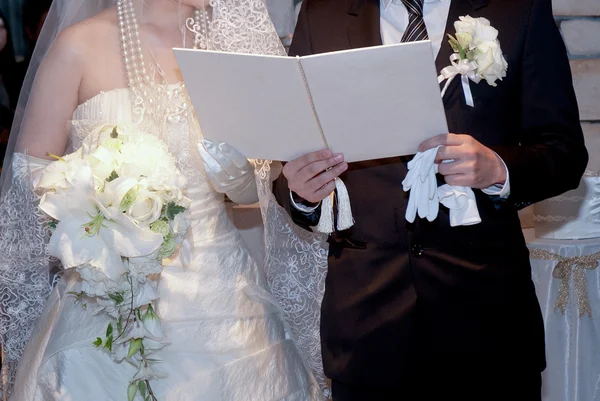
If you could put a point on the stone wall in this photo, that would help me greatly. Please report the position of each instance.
(579, 22)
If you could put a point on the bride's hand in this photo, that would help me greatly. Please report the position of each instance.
(229, 171)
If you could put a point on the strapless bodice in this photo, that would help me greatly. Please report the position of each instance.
(208, 210)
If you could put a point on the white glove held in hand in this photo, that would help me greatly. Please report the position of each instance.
(425, 196)
(229, 172)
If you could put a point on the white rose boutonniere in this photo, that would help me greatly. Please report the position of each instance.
(477, 55)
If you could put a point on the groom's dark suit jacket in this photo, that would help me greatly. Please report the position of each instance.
(399, 294)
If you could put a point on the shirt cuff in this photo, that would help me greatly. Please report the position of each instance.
(503, 191)
(303, 208)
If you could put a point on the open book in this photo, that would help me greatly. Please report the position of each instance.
(366, 103)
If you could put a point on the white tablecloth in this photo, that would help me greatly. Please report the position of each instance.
(572, 342)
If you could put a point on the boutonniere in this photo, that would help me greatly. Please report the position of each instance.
(477, 55)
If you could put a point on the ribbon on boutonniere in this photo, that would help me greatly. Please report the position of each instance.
(477, 56)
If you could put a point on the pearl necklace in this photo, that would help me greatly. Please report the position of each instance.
(138, 78)
(201, 33)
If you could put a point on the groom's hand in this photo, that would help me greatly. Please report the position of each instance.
(473, 164)
(312, 176)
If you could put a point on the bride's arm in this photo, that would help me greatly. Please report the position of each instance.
(231, 173)
(52, 99)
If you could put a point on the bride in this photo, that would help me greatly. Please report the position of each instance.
(110, 62)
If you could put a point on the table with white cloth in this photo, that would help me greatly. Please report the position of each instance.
(565, 252)
(572, 341)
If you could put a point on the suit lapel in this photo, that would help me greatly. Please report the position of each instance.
(364, 23)
(458, 8)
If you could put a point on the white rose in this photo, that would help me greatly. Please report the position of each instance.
(146, 208)
(491, 63)
(148, 156)
(479, 29)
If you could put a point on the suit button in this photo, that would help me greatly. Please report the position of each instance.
(417, 250)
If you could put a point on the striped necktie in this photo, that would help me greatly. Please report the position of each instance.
(416, 29)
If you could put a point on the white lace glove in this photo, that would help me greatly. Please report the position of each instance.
(229, 172)
(28, 166)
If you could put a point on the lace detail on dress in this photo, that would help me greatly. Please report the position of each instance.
(24, 268)
(242, 26)
(296, 268)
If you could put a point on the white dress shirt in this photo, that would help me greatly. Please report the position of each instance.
(394, 20)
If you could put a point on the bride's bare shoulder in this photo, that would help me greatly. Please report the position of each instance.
(87, 37)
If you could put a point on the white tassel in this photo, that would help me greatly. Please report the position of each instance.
(345, 219)
(326, 221)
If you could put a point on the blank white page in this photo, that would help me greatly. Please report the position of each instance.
(257, 104)
(377, 102)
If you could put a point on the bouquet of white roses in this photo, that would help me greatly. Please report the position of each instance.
(117, 209)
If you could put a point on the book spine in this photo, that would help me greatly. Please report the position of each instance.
(312, 103)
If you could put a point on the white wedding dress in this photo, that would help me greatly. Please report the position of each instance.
(228, 338)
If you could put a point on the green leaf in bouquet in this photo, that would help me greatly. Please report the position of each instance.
(78, 295)
(132, 391)
(168, 248)
(117, 297)
(113, 176)
(109, 343)
(98, 342)
(454, 43)
(109, 330)
(120, 325)
(52, 224)
(173, 210)
(134, 347)
(142, 387)
(79, 298)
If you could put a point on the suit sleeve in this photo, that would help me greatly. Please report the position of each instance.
(300, 46)
(552, 156)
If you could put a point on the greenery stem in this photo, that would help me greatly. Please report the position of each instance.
(128, 320)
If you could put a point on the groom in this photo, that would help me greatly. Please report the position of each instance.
(426, 311)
